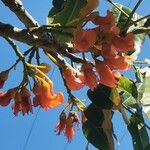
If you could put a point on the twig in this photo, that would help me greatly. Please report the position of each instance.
(132, 13)
(136, 116)
(141, 30)
(123, 12)
(124, 116)
(15, 48)
(17, 7)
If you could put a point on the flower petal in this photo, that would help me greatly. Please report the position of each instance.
(73, 78)
(118, 62)
(106, 75)
(123, 44)
(91, 79)
(105, 22)
(84, 39)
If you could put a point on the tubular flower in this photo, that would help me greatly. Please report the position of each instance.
(73, 78)
(3, 77)
(45, 96)
(107, 76)
(22, 102)
(118, 62)
(5, 98)
(84, 39)
(17, 104)
(91, 79)
(69, 130)
(62, 123)
(25, 100)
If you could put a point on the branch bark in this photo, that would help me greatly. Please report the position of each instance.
(17, 7)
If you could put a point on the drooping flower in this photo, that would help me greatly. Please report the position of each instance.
(3, 77)
(22, 102)
(91, 79)
(17, 103)
(5, 98)
(45, 96)
(62, 123)
(73, 78)
(84, 39)
(67, 125)
(25, 101)
(107, 76)
(69, 129)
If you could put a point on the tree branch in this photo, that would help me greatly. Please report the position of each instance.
(39, 41)
(23, 35)
(17, 7)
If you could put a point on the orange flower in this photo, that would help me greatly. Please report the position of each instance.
(25, 100)
(5, 98)
(105, 22)
(69, 130)
(118, 62)
(112, 43)
(17, 105)
(22, 102)
(84, 39)
(91, 79)
(62, 123)
(3, 77)
(107, 77)
(123, 44)
(73, 78)
(45, 96)
(109, 39)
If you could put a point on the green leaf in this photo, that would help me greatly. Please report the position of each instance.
(146, 97)
(127, 85)
(138, 132)
(129, 93)
(51, 15)
(64, 17)
(147, 23)
(58, 3)
(94, 115)
(101, 97)
(95, 136)
(121, 20)
(147, 147)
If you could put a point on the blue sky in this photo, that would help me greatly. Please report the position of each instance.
(15, 130)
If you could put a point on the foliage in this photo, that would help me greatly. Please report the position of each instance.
(91, 56)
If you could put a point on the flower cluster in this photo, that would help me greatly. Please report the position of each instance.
(66, 124)
(108, 50)
(42, 89)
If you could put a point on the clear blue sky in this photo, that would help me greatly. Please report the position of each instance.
(15, 130)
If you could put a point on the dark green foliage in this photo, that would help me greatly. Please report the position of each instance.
(147, 23)
(101, 96)
(95, 136)
(58, 3)
(94, 115)
(138, 132)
